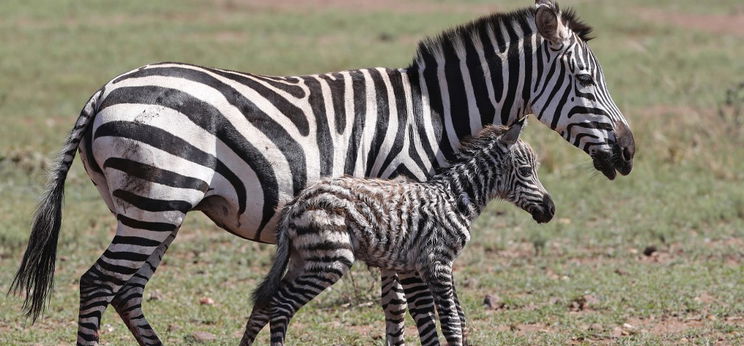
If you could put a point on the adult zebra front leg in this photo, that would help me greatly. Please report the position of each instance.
(128, 302)
(137, 238)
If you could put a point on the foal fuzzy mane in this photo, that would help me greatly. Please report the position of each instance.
(471, 145)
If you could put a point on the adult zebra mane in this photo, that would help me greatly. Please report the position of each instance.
(432, 46)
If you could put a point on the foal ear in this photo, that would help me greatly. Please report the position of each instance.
(548, 21)
(512, 134)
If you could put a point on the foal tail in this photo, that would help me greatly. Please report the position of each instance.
(264, 294)
(35, 277)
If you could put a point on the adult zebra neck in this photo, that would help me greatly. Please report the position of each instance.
(479, 74)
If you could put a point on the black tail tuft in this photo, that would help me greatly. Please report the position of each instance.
(263, 295)
(35, 277)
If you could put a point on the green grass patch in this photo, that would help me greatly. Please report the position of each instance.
(652, 258)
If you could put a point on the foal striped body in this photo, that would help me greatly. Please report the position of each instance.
(169, 138)
(396, 225)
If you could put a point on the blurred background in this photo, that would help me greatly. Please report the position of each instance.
(654, 257)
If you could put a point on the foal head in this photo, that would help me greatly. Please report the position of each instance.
(516, 177)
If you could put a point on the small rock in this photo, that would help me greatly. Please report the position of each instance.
(649, 250)
(203, 336)
(173, 327)
(621, 272)
(107, 328)
(155, 295)
(705, 298)
(591, 299)
(206, 301)
(583, 302)
(596, 327)
(552, 275)
(629, 329)
(493, 302)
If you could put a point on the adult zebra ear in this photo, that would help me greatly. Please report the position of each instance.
(512, 134)
(548, 21)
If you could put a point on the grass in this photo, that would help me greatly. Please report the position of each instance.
(583, 278)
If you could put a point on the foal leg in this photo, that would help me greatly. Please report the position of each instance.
(260, 317)
(439, 278)
(128, 302)
(421, 307)
(256, 321)
(460, 313)
(394, 304)
(317, 275)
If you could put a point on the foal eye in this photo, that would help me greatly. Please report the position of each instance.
(585, 79)
(525, 171)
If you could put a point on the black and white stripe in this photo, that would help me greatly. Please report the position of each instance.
(398, 225)
(168, 138)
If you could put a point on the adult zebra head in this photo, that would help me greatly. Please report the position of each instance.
(570, 94)
(536, 60)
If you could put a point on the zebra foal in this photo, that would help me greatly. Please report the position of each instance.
(395, 225)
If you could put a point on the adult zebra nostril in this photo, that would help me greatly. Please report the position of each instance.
(549, 205)
(626, 155)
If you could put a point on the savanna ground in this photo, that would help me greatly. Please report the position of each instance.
(655, 257)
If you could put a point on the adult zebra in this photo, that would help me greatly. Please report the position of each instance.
(168, 138)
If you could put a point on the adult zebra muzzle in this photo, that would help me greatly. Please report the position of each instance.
(544, 213)
(620, 156)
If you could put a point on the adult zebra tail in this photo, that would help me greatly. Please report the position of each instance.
(264, 293)
(35, 277)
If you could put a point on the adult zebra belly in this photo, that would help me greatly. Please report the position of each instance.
(204, 129)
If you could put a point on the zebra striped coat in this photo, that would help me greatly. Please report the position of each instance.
(397, 225)
(165, 139)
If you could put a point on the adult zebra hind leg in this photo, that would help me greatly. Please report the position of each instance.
(128, 302)
(394, 304)
(140, 234)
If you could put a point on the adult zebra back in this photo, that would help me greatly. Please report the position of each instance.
(168, 138)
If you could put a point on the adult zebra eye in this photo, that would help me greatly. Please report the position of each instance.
(525, 171)
(585, 79)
